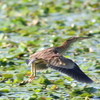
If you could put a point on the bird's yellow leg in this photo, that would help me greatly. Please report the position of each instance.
(32, 76)
(33, 73)
(33, 69)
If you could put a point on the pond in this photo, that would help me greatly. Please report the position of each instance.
(27, 26)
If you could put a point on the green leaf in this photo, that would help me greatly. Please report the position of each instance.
(4, 75)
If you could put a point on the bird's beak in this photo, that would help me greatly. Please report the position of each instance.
(81, 38)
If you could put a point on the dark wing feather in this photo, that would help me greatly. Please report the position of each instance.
(27, 61)
(31, 60)
(71, 70)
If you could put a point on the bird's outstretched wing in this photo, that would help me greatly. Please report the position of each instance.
(68, 67)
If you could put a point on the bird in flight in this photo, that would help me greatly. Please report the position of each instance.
(53, 58)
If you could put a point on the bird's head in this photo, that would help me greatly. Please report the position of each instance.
(71, 40)
(74, 39)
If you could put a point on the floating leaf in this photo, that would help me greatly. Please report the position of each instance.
(4, 75)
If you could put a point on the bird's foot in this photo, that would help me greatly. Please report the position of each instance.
(29, 80)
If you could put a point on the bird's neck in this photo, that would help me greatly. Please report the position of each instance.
(64, 47)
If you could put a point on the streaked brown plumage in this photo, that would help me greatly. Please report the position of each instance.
(53, 58)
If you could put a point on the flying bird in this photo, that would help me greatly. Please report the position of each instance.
(53, 58)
